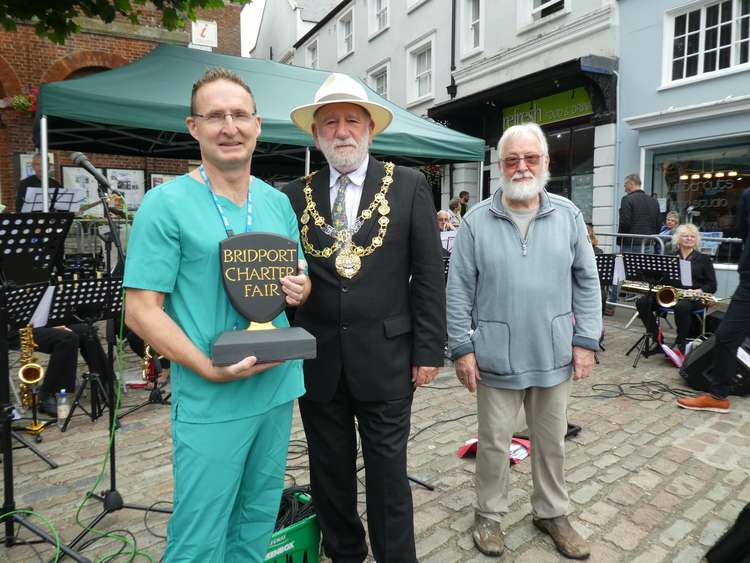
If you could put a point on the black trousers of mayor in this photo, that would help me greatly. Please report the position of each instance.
(332, 449)
(734, 327)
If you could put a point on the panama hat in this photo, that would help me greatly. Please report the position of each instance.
(340, 88)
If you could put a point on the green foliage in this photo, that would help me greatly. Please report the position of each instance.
(53, 19)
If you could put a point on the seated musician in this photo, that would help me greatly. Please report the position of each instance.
(685, 239)
(63, 343)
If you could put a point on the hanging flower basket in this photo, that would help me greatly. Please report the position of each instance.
(433, 173)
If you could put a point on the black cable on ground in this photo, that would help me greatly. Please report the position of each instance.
(145, 518)
(636, 391)
(418, 432)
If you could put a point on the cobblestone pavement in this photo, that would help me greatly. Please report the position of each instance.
(649, 482)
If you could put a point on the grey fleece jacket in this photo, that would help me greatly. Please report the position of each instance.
(521, 305)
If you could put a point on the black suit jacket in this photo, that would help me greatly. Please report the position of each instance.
(391, 315)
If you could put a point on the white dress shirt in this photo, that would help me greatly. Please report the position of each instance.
(353, 190)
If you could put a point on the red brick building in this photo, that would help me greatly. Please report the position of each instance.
(26, 61)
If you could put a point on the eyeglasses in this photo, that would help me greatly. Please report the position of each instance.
(529, 159)
(219, 117)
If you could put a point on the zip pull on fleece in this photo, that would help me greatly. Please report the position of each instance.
(523, 248)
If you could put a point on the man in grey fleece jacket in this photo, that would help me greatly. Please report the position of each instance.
(524, 313)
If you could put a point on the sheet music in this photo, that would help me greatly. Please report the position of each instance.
(41, 314)
(619, 274)
(686, 273)
(68, 199)
(447, 238)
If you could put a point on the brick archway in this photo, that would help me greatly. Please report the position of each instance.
(9, 83)
(62, 68)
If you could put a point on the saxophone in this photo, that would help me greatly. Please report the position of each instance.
(30, 373)
(668, 296)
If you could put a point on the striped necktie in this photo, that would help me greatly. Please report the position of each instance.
(338, 213)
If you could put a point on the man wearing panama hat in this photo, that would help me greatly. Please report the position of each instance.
(377, 310)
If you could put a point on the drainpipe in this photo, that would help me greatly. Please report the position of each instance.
(452, 88)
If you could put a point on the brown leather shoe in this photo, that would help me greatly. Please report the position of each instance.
(488, 536)
(704, 402)
(567, 540)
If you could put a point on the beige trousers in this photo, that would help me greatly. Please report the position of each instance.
(547, 423)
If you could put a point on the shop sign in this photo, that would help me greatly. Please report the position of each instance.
(550, 109)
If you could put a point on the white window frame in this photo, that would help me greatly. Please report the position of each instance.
(340, 38)
(311, 62)
(667, 52)
(373, 18)
(525, 14)
(412, 5)
(467, 28)
(412, 51)
(374, 71)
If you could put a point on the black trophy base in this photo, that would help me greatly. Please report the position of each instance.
(279, 344)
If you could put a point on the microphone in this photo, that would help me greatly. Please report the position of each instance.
(80, 160)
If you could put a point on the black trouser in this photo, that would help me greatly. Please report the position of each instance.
(734, 328)
(683, 311)
(332, 449)
(63, 346)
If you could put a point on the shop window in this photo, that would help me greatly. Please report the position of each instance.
(571, 167)
(708, 39)
(704, 187)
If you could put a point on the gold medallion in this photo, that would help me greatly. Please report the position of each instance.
(347, 263)
(384, 209)
(304, 219)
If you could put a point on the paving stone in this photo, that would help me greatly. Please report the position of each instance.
(645, 479)
(676, 532)
(713, 531)
(665, 501)
(613, 474)
(520, 535)
(606, 460)
(684, 486)
(717, 493)
(735, 478)
(699, 509)
(433, 541)
(655, 554)
(599, 513)
(426, 519)
(464, 523)
(691, 554)
(584, 494)
(663, 466)
(647, 518)
(625, 493)
(626, 535)
(582, 474)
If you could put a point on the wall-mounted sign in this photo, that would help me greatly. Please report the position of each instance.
(205, 34)
(550, 109)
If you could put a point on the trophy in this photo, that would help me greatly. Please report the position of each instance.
(252, 265)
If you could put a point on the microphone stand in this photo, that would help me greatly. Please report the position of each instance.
(111, 498)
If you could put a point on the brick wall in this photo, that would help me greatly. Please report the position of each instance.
(27, 61)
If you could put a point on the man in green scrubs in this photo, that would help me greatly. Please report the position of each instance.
(230, 425)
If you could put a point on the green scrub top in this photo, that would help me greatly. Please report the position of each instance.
(174, 249)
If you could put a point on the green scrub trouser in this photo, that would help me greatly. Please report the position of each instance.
(228, 479)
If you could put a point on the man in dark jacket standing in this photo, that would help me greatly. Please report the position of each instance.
(734, 328)
(377, 310)
(639, 215)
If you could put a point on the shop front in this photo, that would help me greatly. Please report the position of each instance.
(703, 184)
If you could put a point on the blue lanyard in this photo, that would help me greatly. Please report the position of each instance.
(220, 209)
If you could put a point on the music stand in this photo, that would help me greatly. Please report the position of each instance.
(35, 240)
(653, 269)
(87, 301)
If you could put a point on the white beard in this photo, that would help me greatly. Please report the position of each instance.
(352, 159)
(524, 191)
